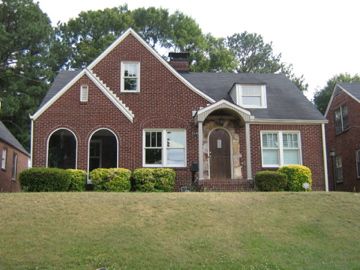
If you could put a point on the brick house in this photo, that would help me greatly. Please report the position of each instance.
(14, 159)
(130, 108)
(342, 135)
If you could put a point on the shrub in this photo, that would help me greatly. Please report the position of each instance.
(77, 179)
(113, 179)
(297, 175)
(44, 179)
(270, 181)
(150, 179)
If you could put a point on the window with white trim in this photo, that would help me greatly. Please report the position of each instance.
(130, 77)
(164, 148)
(338, 169)
(14, 168)
(84, 93)
(341, 119)
(3, 159)
(357, 163)
(251, 96)
(279, 148)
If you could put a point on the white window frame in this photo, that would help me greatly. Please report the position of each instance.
(84, 93)
(357, 158)
(163, 148)
(14, 168)
(239, 100)
(281, 147)
(122, 77)
(3, 159)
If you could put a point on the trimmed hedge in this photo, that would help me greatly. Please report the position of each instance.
(44, 179)
(113, 179)
(270, 181)
(151, 179)
(297, 175)
(77, 179)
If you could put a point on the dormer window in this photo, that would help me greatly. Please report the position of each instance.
(84, 93)
(249, 95)
(130, 77)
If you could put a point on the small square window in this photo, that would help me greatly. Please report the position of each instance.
(130, 77)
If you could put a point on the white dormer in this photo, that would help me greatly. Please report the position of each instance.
(252, 96)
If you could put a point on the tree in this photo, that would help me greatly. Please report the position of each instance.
(254, 55)
(25, 34)
(322, 96)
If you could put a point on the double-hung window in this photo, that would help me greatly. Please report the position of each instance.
(164, 148)
(249, 95)
(280, 148)
(338, 169)
(14, 168)
(341, 119)
(130, 77)
(3, 159)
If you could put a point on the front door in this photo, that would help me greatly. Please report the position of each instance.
(220, 165)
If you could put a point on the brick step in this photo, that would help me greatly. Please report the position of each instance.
(225, 185)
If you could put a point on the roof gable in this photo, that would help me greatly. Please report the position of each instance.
(351, 89)
(9, 138)
(155, 54)
(58, 92)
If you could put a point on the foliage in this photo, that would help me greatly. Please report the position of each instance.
(44, 179)
(270, 181)
(297, 176)
(113, 179)
(25, 35)
(77, 179)
(150, 179)
(322, 96)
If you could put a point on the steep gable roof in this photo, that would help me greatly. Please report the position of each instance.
(155, 54)
(65, 80)
(284, 100)
(7, 137)
(351, 89)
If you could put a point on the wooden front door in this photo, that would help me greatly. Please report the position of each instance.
(220, 165)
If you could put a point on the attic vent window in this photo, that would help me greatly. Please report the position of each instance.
(84, 93)
(250, 95)
(130, 77)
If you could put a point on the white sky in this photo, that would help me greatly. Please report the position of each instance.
(320, 38)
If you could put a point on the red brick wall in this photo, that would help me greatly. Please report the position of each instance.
(344, 144)
(164, 102)
(6, 183)
(311, 144)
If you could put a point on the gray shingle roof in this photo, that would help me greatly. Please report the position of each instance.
(7, 137)
(60, 81)
(284, 99)
(353, 88)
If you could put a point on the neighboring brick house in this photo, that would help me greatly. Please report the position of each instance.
(130, 108)
(342, 135)
(13, 159)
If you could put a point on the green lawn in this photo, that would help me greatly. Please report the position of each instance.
(180, 231)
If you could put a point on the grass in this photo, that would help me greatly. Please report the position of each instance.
(180, 231)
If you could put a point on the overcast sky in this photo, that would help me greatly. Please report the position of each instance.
(320, 38)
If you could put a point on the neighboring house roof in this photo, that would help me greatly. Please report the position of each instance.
(7, 137)
(352, 89)
(284, 100)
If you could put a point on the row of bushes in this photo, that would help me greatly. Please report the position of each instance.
(286, 178)
(114, 179)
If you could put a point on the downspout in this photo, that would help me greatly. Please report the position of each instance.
(31, 142)
(325, 158)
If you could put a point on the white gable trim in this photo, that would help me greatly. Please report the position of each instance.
(222, 104)
(154, 53)
(333, 94)
(118, 103)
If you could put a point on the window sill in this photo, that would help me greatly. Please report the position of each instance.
(342, 132)
(339, 181)
(129, 92)
(162, 166)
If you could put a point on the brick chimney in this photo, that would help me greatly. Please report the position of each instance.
(179, 61)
